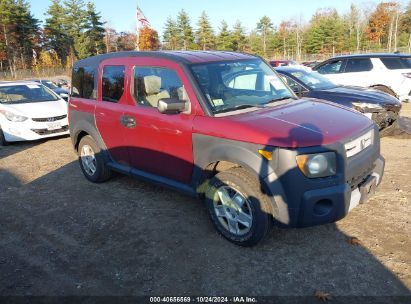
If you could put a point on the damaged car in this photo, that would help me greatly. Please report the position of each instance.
(379, 106)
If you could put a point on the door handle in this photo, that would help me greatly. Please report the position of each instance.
(128, 121)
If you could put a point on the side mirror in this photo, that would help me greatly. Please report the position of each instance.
(171, 105)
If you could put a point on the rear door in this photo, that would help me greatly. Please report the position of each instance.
(357, 72)
(160, 144)
(110, 108)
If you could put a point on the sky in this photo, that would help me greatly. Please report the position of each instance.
(120, 14)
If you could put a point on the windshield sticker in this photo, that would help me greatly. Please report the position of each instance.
(218, 102)
(33, 86)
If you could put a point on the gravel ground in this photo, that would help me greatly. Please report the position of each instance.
(62, 235)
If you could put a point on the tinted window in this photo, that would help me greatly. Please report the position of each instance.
(358, 65)
(296, 87)
(83, 83)
(113, 83)
(152, 84)
(332, 67)
(397, 63)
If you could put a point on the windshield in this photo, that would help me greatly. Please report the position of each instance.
(49, 84)
(314, 80)
(26, 93)
(234, 85)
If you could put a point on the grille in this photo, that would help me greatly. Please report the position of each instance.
(359, 144)
(49, 119)
(47, 132)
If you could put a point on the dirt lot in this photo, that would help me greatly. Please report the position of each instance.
(61, 235)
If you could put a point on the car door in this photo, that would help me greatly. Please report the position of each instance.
(110, 108)
(159, 144)
(333, 70)
(357, 72)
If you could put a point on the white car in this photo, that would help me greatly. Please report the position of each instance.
(390, 73)
(30, 111)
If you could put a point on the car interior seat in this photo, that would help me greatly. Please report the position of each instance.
(152, 86)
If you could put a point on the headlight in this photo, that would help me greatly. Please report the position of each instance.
(317, 165)
(363, 106)
(13, 117)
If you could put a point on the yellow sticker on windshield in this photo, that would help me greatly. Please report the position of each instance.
(218, 102)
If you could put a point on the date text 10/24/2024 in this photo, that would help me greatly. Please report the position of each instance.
(203, 299)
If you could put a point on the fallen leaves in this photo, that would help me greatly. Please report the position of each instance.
(353, 241)
(323, 296)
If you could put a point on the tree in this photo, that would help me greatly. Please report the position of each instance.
(171, 35)
(186, 36)
(94, 30)
(224, 39)
(148, 39)
(239, 39)
(55, 34)
(264, 26)
(205, 33)
(75, 23)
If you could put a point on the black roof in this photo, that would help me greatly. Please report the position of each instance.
(186, 57)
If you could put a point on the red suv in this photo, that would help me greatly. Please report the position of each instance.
(223, 126)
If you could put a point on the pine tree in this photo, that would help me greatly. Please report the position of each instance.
(224, 39)
(171, 35)
(54, 31)
(185, 30)
(264, 27)
(239, 37)
(75, 23)
(94, 30)
(205, 33)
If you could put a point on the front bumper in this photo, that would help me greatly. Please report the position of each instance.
(32, 130)
(298, 201)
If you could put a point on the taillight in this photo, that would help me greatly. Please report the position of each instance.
(408, 75)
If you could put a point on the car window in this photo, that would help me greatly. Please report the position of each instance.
(26, 93)
(295, 86)
(243, 82)
(113, 83)
(83, 83)
(332, 67)
(398, 63)
(358, 65)
(154, 83)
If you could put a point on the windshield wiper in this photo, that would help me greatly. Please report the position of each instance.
(239, 107)
(277, 99)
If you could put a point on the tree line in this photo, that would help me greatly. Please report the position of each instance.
(73, 29)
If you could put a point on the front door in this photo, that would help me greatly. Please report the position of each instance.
(160, 144)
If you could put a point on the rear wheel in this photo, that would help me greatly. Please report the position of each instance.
(3, 141)
(238, 208)
(91, 161)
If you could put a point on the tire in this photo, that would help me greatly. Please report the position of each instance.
(3, 141)
(385, 90)
(243, 187)
(90, 158)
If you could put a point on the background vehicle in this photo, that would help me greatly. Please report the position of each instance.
(225, 127)
(277, 63)
(30, 111)
(390, 73)
(58, 90)
(377, 105)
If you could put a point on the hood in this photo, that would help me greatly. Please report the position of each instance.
(347, 94)
(60, 91)
(38, 109)
(300, 123)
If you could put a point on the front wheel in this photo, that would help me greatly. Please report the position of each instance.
(238, 208)
(91, 161)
